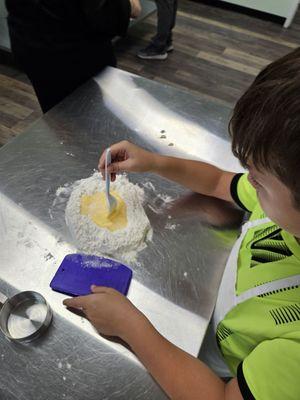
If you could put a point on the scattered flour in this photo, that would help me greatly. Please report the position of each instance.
(61, 197)
(157, 202)
(149, 185)
(170, 227)
(62, 191)
(123, 244)
(165, 198)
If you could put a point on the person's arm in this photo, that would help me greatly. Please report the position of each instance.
(180, 375)
(196, 175)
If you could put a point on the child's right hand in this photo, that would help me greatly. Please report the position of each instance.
(127, 157)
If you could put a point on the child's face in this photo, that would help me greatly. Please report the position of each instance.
(276, 200)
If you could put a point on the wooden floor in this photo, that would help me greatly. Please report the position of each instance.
(217, 53)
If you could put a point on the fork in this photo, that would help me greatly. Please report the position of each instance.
(111, 201)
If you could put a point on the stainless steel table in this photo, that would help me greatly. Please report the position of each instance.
(177, 276)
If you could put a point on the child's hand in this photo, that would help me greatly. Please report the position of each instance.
(127, 157)
(110, 312)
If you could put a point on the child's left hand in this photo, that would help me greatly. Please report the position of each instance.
(110, 312)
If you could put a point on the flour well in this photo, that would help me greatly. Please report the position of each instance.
(123, 244)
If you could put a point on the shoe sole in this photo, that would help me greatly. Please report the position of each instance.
(169, 49)
(157, 57)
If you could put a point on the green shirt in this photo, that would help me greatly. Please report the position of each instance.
(260, 338)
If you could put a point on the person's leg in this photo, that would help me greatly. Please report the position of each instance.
(170, 37)
(166, 14)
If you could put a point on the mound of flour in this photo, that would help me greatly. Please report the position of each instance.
(123, 244)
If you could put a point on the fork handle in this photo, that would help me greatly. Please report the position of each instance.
(107, 175)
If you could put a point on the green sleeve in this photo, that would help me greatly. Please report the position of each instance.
(271, 371)
(243, 193)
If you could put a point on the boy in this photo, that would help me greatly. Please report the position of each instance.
(257, 315)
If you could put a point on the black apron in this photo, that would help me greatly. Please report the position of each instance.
(60, 44)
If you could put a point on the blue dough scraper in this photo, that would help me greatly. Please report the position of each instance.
(78, 272)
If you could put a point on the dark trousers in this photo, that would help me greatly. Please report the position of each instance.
(166, 18)
(55, 74)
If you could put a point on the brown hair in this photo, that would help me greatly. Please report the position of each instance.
(265, 125)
